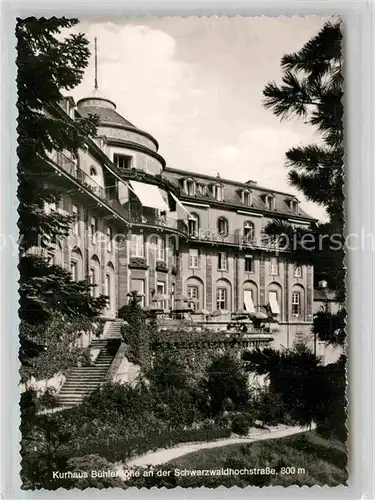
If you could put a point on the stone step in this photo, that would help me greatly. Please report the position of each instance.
(77, 391)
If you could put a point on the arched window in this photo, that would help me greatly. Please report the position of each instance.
(94, 276)
(76, 261)
(249, 230)
(195, 293)
(194, 225)
(222, 226)
(109, 290)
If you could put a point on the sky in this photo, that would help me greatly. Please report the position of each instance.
(196, 85)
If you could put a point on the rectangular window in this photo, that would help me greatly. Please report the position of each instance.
(218, 192)
(222, 261)
(173, 296)
(109, 239)
(298, 271)
(249, 263)
(124, 162)
(270, 202)
(93, 230)
(138, 285)
(76, 220)
(247, 198)
(193, 258)
(221, 299)
(296, 304)
(173, 253)
(137, 246)
(193, 293)
(160, 290)
(274, 268)
(274, 303)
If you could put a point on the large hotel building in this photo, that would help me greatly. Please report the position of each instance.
(181, 239)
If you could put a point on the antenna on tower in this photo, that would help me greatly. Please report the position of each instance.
(96, 64)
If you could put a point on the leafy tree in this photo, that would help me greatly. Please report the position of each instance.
(311, 90)
(58, 350)
(309, 391)
(48, 64)
(43, 452)
(137, 332)
(226, 383)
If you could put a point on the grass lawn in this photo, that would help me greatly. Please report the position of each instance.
(316, 461)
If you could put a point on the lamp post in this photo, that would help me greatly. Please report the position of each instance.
(322, 285)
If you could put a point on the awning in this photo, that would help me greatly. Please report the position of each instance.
(181, 205)
(248, 301)
(149, 195)
(274, 305)
(123, 192)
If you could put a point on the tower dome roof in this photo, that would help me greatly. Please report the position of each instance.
(109, 118)
(98, 104)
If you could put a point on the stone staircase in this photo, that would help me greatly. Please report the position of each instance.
(82, 380)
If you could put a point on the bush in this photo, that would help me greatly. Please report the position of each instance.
(48, 399)
(226, 384)
(241, 424)
(87, 463)
(271, 409)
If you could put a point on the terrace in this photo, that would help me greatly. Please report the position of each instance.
(142, 215)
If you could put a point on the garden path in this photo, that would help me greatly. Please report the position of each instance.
(163, 456)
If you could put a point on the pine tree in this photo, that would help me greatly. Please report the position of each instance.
(311, 90)
(48, 64)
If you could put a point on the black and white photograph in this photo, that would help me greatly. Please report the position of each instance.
(182, 296)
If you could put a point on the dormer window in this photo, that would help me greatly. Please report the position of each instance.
(246, 197)
(189, 187)
(217, 192)
(293, 205)
(202, 189)
(270, 201)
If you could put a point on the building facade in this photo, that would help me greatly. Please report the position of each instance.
(176, 237)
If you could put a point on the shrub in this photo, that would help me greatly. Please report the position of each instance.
(84, 465)
(241, 424)
(226, 381)
(271, 409)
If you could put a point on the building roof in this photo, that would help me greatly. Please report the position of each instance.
(106, 115)
(232, 193)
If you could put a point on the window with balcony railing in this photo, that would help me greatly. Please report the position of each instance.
(222, 226)
(249, 231)
(193, 224)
